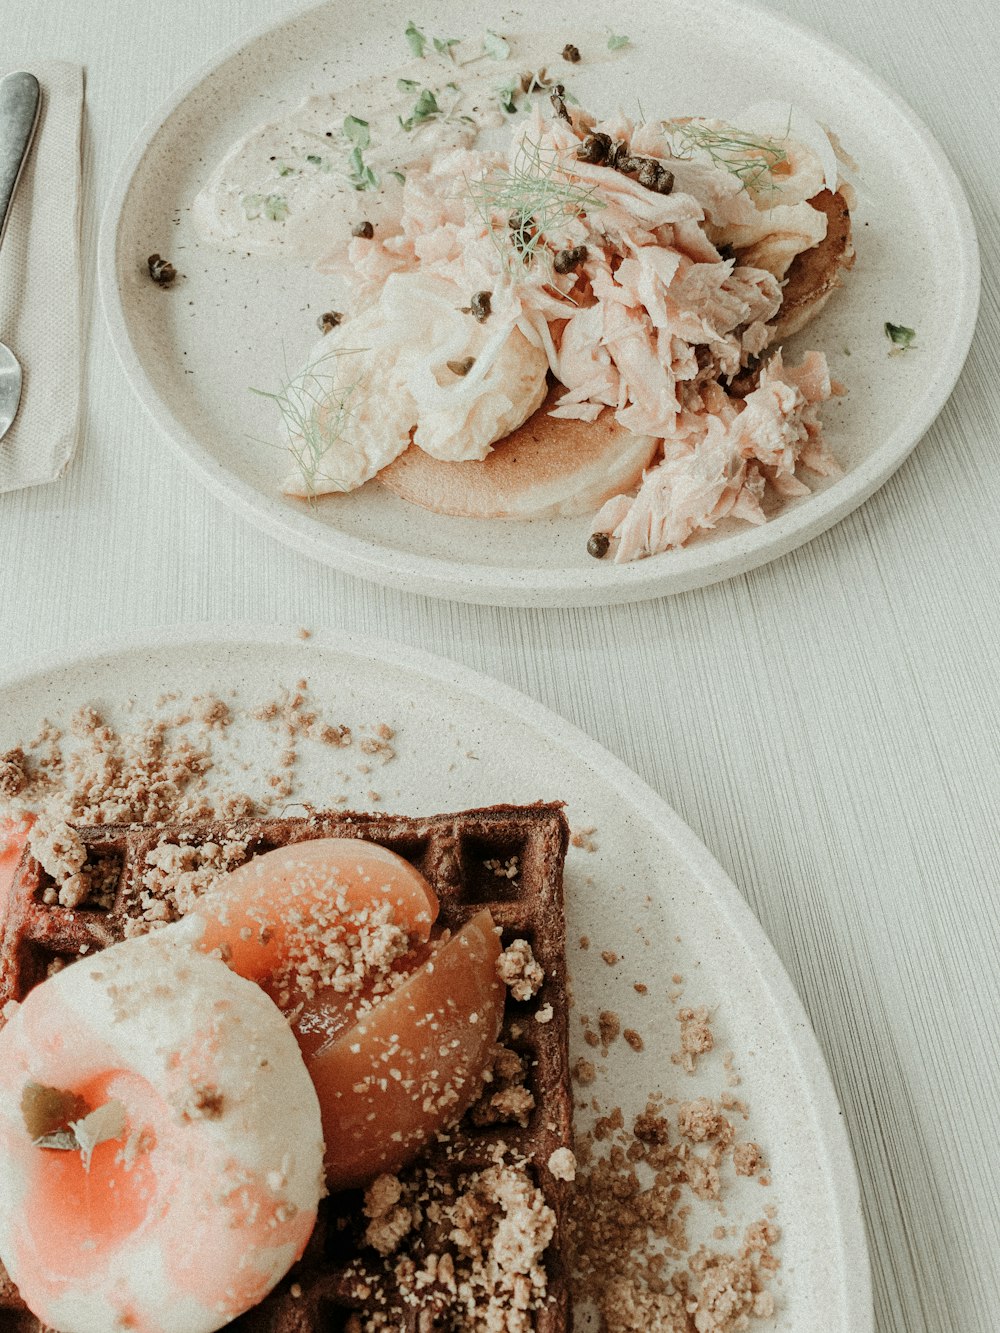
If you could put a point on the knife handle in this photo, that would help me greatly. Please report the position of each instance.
(20, 102)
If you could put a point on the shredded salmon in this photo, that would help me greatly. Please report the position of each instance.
(664, 311)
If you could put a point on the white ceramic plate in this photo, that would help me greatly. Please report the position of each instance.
(650, 892)
(193, 352)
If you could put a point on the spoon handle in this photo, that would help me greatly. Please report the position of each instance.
(20, 101)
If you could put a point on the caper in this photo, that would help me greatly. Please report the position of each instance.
(595, 148)
(567, 260)
(482, 306)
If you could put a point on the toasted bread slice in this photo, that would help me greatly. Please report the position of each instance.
(814, 275)
(547, 468)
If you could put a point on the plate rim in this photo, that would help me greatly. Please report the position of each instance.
(686, 568)
(829, 1124)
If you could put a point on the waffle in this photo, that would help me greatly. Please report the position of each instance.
(339, 1284)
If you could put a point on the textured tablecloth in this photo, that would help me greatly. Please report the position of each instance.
(828, 725)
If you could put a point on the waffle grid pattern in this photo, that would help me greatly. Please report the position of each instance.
(461, 855)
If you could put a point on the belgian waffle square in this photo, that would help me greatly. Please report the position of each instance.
(505, 858)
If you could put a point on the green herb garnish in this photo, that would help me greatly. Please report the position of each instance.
(271, 206)
(286, 170)
(495, 46)
(314, 159)
(616, 41)
(398, 175)
(407, 85)
(749, 157)
(443, 45)
(361, 176)
(357, 131)
(316, 408)
(507, 94)
(521, 207)
(900, 336)
(416, 39)
(426, 108)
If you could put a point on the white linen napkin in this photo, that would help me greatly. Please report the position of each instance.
(40, 287)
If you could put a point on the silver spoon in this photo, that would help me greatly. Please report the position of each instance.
(20, 100)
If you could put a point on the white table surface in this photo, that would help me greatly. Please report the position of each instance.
(828, 725)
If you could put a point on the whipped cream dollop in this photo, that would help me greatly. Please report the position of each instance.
(195, 1192)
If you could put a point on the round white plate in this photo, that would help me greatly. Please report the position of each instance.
(648, 891)
(193, 352)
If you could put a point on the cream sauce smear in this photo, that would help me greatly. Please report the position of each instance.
(292, 185)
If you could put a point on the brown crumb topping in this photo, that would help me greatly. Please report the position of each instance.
(178, 875)
(13, 772)
(696, 1037)
(562, 1164)
(747, 1159)
(506, 1098)
(485, 1262)
(61, 854)
(519, 970)
(584, 839)
(628, 1226)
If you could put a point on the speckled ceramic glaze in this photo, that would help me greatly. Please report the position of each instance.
(193, 352)
(642, 886)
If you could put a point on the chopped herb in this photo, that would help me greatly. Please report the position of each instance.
(749, 157)
(105, 1124)
(507, 94)
(407, 85)
(316, 406)
(271, 206)
(161, 271)
(537, 197)
(416, 39)
(495, 46)
(571, 53)
(64, 1139)
(900, 336)
(362, 177)
(357, 131)
(426, 108)
(314, 159)
(286, 170)
(443, 45)
(617, 41)
(398, 175)
(47, 1111)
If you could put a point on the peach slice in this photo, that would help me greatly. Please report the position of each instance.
(268, 907)
(396, 1062)
(410, 1066)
